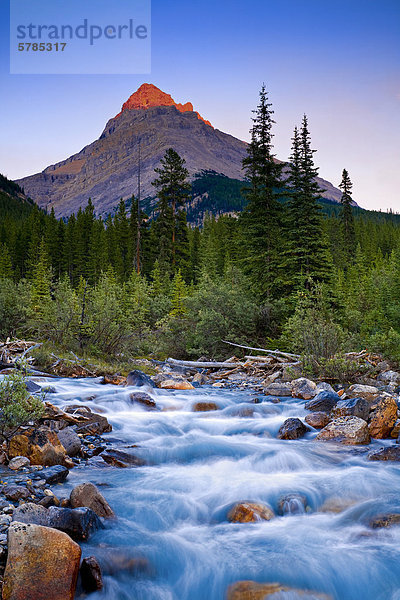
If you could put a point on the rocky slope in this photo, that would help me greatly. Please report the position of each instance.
(107, 169)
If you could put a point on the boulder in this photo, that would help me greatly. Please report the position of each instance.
(292, 504)
(18, 462)
(89, 423)
(383, 416)
(138, 378)
(79, 523)
(144, 399)
(386, 453)
(304, 388)
(118, 458)
(346, 430)
(323, 385)
(369, 392)
(32, 387)
(42, 564)
(292, 429)
(250, 512)
(251, 590)
(15, 492)
(324, 401)
(382, 521)
(200, 378)
(56, 474)
(389, 377)
(337, 505)
(91, 578)
(317, 419)
(114, 380)
(117, 559)
(87, 494)
(205, 406)
(351, 407)
(176, 384)
(70, 440)
(42, 446)
(279, 389)
(393, 434)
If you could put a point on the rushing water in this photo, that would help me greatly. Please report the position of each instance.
(173, 512)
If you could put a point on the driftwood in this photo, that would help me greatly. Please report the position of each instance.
(203, 365)
(272, 352)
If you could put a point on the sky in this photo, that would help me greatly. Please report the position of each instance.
(337, 61)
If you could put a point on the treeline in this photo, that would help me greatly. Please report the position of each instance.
(283, 272)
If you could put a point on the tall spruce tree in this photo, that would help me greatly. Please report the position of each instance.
(173, 190)
(307, 255)
(262, 217)
(347, 218)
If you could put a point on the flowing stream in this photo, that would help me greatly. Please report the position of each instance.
(173, 512)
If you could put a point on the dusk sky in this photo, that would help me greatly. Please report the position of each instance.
(337, 61)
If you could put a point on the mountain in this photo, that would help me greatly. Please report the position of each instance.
(107, 169)
(13, 201)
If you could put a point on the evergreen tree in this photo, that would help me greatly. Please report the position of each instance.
(307, 255)
(179, 294)
(261, 219)
(123, 256)
(41, 283)
(346, 217)
(172, 190)
(6, 268)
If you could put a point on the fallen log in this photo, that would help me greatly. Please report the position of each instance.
(272, 352)
(203, 365)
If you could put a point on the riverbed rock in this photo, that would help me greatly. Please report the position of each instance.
(87, 494)
(396, 430)
(70, 440)
(292, 429)
(250, 512)
(386, 453)
(91, 577)
(117, 559)
(324, 401)
(337, 505)
(205, 406)
(389, 377)
(138, 378)
(292, 504)
(279, 389)
(383, 416)
(369, 392)
(114, 380)
(251, 590)
(56, 474)
(89, 423)
(42, 446)
(18, 462)
(383, 521)
(176, 384)
(78, 523)
(42, 564)
(32, 387)
(346, 430)
(15, 492)
(121, 459)
(351, 407)
(304, 388)
(200, 378)
(318, 419)
(143, 399)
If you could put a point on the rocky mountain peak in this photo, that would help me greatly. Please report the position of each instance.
(148, 96)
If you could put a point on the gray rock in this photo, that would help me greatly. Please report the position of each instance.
(292, 429)
(19, 462)
(56, 474)
(143, 399)
(279, 389)
(385, 453)
(32, 387)
(70, 440)
(87, 494)
(356, 407)
(91, 577)
(389, 377)
(346, 430)
(304, 388)
(292, 504)
(324, 401)
(15, 492)
(138, 378)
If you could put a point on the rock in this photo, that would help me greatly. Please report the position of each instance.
(91, 577)
(56, 474)
(143, 399)
(292, 504)
(118, 458)
(114, 380)
(176, 384)
(200, 379)
(323, 386)
(42, 564)
(138, 378)
(251, 590)
(32, 387)
(396, 430)
(385, 521)
(15, 492)
(91, 423)
(369, 392)
(290, 373)
(79, 523)
(352, 407)
(386, 453)
(347, 430)
(115, 559)
(324, 401)
(87, 494)
(304, 388)
(42, 446)
(70, 440)
(389, 377)
(18, 462)
(279, 389)
(205, 406)
(292, 429)
(250, 512)
(317, 419)
(383, 417)
(337, 505)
